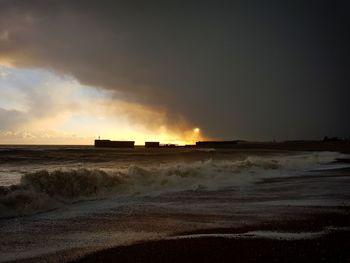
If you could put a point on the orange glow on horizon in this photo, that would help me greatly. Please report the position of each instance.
(72, 113)
(6, 63)
(188, 137)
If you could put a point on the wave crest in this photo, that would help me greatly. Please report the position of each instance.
(45, 190)
(70, 183)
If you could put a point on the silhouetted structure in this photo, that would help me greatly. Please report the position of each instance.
(332, 139)
(216, 144)
(169, 145)
(114, 144)
(151, 144)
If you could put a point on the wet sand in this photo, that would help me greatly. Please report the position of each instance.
(323, 238)
(331, 248)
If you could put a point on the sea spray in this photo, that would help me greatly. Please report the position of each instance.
(45, 190)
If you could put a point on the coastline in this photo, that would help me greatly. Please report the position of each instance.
(331, 246)
(275, 219)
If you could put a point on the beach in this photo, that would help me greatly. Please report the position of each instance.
(174, 131)
(331, 247)
(173, 205)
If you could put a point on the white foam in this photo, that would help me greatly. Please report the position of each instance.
(45, 190)
(269, 234)
(260, 234)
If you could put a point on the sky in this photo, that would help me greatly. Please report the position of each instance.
(74, 70)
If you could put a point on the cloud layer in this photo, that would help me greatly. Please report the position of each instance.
(39, 107)
(237, 69)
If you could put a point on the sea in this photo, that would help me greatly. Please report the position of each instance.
(58, 203)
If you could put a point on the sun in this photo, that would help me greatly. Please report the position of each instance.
(196, 130)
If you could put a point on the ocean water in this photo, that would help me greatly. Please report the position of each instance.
(70, 200)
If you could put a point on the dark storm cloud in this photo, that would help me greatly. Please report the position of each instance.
(247, 69)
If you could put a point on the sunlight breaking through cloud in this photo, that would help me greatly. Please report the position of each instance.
(38, 106)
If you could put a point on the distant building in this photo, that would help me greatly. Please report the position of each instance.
(151, 144)
(114, 144)
(332, 139)
(216, 144)
(169, 145)
(190, 145)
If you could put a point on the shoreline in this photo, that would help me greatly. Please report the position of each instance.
(317, 237)
(264, 225)
(240, 244)
(331, 248)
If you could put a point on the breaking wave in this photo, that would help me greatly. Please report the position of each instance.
(45, 190)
